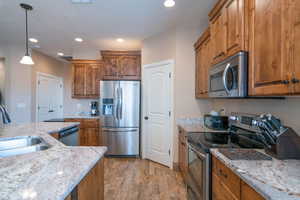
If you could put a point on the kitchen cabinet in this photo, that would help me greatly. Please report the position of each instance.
(226, 185)
(86, 78)
(183, 153)
(274, 48)
(121, 65)
(89, 131)
(228, 27)
(203, 63)
(91, 187)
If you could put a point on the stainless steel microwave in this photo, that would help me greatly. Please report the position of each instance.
(229, 79)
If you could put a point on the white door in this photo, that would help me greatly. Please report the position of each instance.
(49, 97)
(157, 112)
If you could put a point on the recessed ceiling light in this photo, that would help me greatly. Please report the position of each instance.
(169, 3)
(33, 40)
(60, 54)
(120, 40)
(78, 39)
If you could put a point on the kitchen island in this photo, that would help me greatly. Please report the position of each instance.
(50, 174)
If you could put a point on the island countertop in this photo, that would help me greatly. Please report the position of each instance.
(49, 174)
(273, 179)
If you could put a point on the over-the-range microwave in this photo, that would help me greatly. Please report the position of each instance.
(229, 79)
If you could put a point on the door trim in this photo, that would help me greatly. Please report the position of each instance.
(170, 62)
(41, 74)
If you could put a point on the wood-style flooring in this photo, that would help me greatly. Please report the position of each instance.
(136, 179)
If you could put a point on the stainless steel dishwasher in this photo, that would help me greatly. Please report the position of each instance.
(69, 136)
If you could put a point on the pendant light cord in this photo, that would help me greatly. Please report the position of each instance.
(27, 54)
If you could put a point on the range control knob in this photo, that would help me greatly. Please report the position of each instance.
(233, 118)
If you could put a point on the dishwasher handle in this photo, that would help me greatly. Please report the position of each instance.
(67, 132)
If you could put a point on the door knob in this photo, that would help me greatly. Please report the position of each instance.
(146, 118)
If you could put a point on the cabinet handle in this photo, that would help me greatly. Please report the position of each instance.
(285, 82)
(219, 55)
(295, 80)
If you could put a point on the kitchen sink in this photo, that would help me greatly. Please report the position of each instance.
(24, 150)
(21, 145)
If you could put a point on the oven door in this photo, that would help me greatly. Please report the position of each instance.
(198, 183)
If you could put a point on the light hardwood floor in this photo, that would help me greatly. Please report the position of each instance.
(136, 179)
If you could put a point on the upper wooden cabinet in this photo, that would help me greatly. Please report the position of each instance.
(86, 78)
(203, 62)
(227, 26)
(274, 47)
(121, 65)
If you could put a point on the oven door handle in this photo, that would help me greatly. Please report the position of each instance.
(225, 77)
(201, 155)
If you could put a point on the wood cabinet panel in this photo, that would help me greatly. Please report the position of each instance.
(293, 44)
(78, 80)
(267, 38)
(86, 78)
(122, 65)
(93, 77)
(248, 193)
(220, 191)
(235, 24)
(90, 132)
(203, 63)
(92, 186)
(129, 67)
(183, 154)
(55, 135)
(226, 185)
(218, 37)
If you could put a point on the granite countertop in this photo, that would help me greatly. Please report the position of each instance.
(275, 179)
(49, 174)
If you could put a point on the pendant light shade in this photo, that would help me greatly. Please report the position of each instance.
(26, 60)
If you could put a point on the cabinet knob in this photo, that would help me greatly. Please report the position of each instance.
(295, 80)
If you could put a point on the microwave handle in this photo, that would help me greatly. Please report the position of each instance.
(225, 77)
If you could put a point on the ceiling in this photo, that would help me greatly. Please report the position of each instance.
(55, 23)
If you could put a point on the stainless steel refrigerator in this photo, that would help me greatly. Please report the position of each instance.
(120, 117)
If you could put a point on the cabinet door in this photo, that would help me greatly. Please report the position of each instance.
(219, 190)
(234, 26)
(110, 68)
(93, 76)
(248, 193)
(78, 80)
(218, 36)
(294, 44)
(130, 67)
(268, 66)
(89, 137)
(199, 71)
(92, 185)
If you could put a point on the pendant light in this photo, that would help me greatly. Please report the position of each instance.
(26, 60)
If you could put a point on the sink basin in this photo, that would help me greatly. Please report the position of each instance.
(19, 142)
(24, 150)
(21, 145)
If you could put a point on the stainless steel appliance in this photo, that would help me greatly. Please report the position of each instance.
(199, 157)
(120, 117)
(230, 77)
(94, 108)
(69, 136)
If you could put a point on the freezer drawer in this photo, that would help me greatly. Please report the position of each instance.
(121, 142)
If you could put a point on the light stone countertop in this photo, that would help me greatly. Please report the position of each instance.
(191, 125)
(51, 174)
(81, 117)
(274, 180)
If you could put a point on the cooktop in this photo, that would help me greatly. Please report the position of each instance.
(226, 139)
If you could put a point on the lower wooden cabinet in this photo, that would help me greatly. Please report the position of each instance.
(226, 185)
(89, 132)
(183, 153)
(91, 186)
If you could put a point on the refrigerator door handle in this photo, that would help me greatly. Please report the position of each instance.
(118, 104)
(119, 131)
(121, 103)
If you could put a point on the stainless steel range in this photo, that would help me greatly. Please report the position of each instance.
(199, 157)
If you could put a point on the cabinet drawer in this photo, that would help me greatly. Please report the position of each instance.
(227, 177)
(90, 123)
